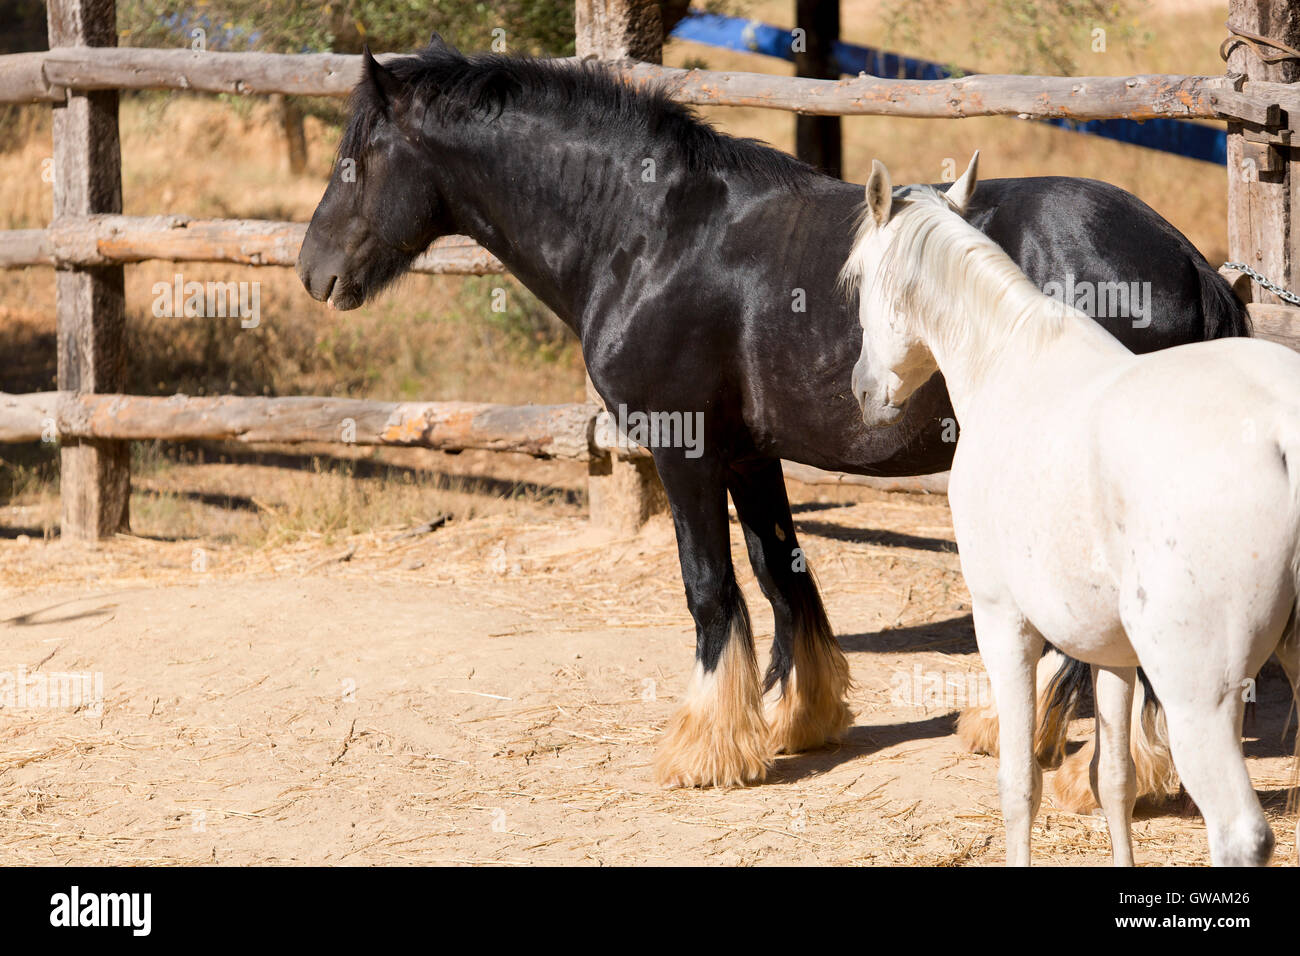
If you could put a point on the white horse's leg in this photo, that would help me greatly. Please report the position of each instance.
(1114, 774)
(1288, 655)
(1203, 707)
(1010, 648)
(977, 726)
(1206, 744)
(1198, 661)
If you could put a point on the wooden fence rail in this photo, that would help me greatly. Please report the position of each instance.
(105, 239)
(570, 431)
(544, 431)
(46, 77)
(111, 239)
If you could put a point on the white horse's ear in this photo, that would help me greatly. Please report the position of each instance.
(880, 194)
(959, 193)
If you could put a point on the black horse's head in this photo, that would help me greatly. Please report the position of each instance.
(383, 205)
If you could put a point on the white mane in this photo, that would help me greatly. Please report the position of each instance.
(963, 292)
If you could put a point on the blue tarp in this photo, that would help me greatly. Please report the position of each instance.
(1167, 135)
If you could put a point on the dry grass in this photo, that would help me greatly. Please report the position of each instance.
(216, 495)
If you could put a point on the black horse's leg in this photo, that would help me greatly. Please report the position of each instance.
(718, 736)
(808, 677)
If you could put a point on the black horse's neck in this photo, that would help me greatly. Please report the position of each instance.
(575, 181)
(553, 210)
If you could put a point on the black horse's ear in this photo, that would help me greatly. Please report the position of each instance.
(380, 80)
(436, 42)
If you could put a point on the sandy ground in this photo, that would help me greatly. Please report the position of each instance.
(490, 693)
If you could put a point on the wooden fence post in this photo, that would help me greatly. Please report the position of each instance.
(818, 140)
(619, 30)
(95, 476)
(622, 493)
(289, 114)
(1263, 163)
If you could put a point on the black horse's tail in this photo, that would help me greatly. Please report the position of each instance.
(1224, 314)
(1057, 703)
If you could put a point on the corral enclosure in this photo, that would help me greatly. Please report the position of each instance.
(528, 658)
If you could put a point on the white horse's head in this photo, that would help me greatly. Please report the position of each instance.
(895, 360)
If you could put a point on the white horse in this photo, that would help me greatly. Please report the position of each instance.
(1127, 508)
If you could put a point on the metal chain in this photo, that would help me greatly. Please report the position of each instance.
(1273, 287)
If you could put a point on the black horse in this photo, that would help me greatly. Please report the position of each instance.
(699, 272)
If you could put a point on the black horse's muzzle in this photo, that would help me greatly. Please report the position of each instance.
(321, 268)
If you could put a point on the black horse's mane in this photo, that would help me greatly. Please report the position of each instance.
(576, 93)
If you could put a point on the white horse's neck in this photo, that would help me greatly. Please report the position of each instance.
(990, 329)
(1008, 354)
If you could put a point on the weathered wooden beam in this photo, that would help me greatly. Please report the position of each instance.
(1277, 323)
(1263, 164)
(247, 74)
(619, 30)
(26, 247)
(23, 80)
(28, 417)
(623, 485)
(543, 431)
(920, 484)
(101, 240)
(90, 301)
(40, 77)
(1285, 95)
(1249, 109)
(289, 112)
(1028, 97)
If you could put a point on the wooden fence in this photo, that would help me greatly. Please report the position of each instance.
(89, 239)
